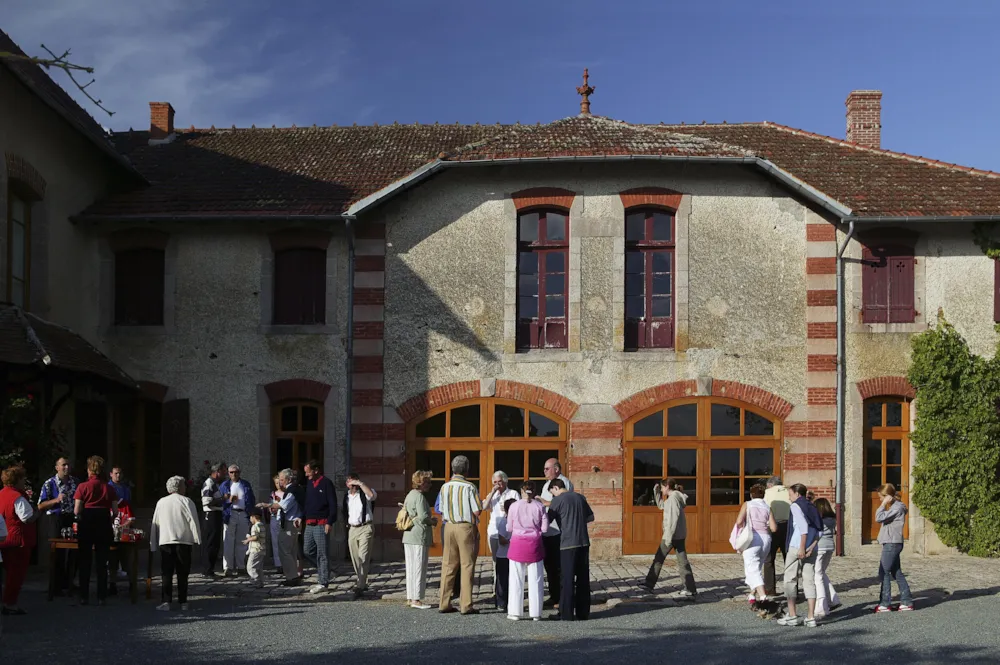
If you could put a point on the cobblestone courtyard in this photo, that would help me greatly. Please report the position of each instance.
(719, 579)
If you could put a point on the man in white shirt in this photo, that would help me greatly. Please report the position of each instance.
(237, 499)
(551, 538)
(360, 528)
(211, 506)
(494, 502)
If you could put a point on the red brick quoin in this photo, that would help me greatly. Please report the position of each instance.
(512, 390)
(304, 389)
(885, 386)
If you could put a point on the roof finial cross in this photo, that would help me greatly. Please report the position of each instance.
(585, 91)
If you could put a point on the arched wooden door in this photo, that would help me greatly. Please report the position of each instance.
(716, 448)
(496, 435)
(886, 458)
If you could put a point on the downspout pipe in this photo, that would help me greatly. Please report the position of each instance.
(841, 355)
(349, 346)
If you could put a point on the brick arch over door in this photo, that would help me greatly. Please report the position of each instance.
(454, 392)
(664, 392)
(886, 385)
(297, 389)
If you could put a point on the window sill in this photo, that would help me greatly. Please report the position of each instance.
(136, 331)
(650, 355)
(313, 329)
(888, 328)
(543, 356)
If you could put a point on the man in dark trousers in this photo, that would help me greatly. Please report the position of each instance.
(211, 506)
(320, 515)
(573, 513)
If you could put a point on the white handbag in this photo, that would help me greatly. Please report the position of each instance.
(741, 539)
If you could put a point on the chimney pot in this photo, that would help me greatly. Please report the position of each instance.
(864, 118)
(161, 120)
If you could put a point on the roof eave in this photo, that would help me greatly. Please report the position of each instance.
(428, 170)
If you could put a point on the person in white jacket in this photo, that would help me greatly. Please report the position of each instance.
(175, 532)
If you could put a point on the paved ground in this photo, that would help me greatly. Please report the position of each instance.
(957, 601)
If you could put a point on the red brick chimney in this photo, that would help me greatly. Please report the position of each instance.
(864, 118)
(161, 120)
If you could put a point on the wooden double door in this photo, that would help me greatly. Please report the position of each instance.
(716, 477)
(886, 458)
(520, 461)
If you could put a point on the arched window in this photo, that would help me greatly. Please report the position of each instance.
(542, 284)
(649, 278)
(297, 434)
(495, 434)
(716, 448)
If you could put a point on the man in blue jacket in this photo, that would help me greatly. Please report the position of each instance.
(320, 514)
(237, 500)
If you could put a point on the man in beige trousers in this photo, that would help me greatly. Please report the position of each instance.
(460, 508)
(360, 528)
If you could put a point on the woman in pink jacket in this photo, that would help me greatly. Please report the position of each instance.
(527, 520)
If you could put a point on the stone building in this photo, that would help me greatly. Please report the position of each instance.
(638, 301)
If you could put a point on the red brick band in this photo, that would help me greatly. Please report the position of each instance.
(304, 389)
(885, 386)
(657, 196)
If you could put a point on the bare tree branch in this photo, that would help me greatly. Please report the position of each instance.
(61, 62)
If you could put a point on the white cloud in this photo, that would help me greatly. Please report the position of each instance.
(215, 62)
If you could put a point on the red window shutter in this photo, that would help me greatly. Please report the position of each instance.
(139, 285)
(901, 287)
(555, 334)
(300, 287)
(874, 288)
(996, 290)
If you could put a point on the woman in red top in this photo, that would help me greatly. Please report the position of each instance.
(95, 504)
(16, 511)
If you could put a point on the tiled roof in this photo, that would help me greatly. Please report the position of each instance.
(26, 340)
(301, 171)
(869, 181)
(590, 136)
(322, 171)
(38, 82)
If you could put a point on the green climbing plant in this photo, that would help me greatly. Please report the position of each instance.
(956, 480)
(983, 233)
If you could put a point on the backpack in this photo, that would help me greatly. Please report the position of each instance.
(403, 520)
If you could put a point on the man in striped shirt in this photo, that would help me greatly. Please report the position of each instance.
(460, 507)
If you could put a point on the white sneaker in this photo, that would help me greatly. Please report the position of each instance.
(536, 618)
(184, 607)
(417, 605)
(122, 575)
(317, 588)
(163, 607)
(513, 618)
(809, 623)
(790, 621)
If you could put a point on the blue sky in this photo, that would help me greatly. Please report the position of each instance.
(304, 62)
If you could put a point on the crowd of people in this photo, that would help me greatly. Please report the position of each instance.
(534, 536)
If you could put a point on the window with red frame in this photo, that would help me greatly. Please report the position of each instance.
(300, 286)
(887, 288)
(649, 279)
(542, 268)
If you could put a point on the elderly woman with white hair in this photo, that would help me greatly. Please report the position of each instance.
(174, 532)
(494, 502)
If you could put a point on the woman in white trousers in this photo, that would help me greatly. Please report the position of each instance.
(417, 540)
(527, 520)
(758, 514)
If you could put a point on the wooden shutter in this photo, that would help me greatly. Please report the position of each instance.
(874, 288)
(139, 286)
(175, 439)
(996, 290)
(300, 286)
(901, 289)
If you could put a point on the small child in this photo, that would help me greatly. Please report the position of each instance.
(257, 541)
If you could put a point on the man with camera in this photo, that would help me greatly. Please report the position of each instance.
(671, 498)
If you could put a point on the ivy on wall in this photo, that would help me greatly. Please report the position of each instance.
(983, 234)
(956, 480)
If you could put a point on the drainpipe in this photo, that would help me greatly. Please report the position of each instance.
(840, 389)
(349, 347)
